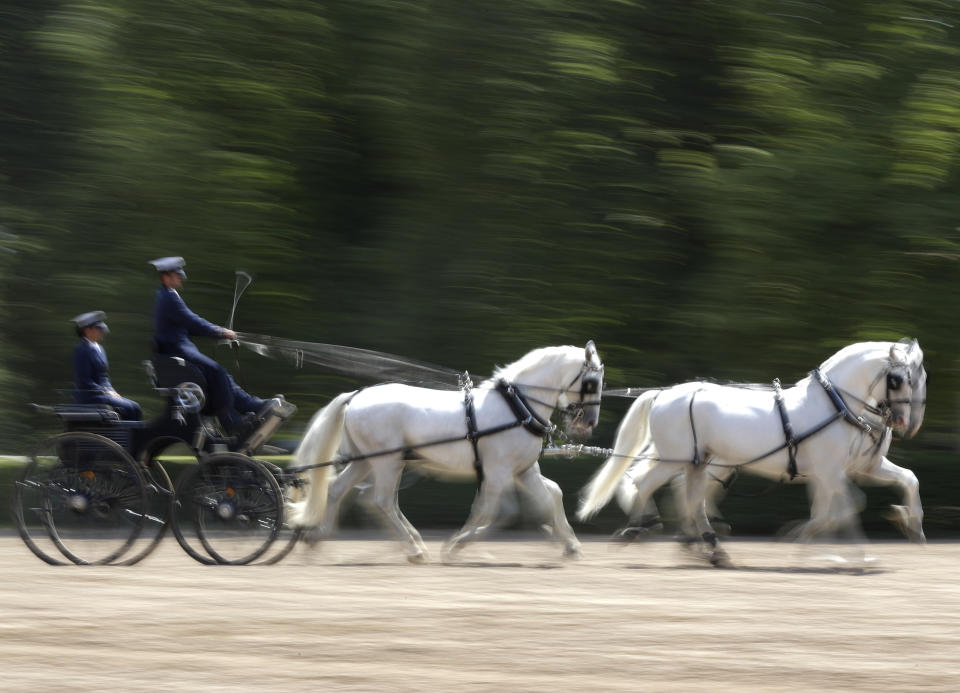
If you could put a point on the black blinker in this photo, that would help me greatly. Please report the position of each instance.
(894, 381)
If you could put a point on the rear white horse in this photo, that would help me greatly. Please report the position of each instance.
(832, 424)
(378, 429)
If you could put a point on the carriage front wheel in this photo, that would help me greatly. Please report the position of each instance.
(81, 497)
(230, 504)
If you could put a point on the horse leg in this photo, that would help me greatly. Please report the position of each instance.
(353, 474)
(386, 483)
(482, 513)
(641, 518)
(832, 508)
(909, 516)
(548, 500)
(696, 513)
(644, 485)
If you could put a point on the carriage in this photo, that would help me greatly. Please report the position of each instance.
(97, 493)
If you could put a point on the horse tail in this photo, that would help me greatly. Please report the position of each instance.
(627, 487)
(633, 436)
(319, 445)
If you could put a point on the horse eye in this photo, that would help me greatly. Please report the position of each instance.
(589, 386)
(894, 382)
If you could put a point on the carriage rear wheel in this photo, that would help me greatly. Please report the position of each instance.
(80, 497)
(230, 504)
(292, 487)
(157, 519)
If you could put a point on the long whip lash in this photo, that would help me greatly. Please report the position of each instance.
(365, 363)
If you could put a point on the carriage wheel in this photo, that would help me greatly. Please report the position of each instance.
(292, 489)
(81, 497)
(159, 500)
(232, 505)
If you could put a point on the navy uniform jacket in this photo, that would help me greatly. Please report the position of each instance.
(90, 370)
(92, 380)
(174, 323)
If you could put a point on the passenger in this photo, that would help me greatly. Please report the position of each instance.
(174, 323)
(91, 372)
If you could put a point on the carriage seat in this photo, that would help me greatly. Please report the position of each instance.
(166, 372)
(171, 371)
(79, 413)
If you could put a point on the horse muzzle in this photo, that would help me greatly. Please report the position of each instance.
(906, 424)
(578, 423)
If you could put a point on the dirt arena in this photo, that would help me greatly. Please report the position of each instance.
(511, 616)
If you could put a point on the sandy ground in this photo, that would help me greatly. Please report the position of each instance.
(512, 616)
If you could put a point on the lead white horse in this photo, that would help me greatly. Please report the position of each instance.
(378, 429)
(704, 429)
(872, 468)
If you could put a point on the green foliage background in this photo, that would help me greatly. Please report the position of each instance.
(732, 189)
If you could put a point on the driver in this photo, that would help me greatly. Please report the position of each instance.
(91, 372)
(174, 323)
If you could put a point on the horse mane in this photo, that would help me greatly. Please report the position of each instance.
(908, 350)
(541, 356)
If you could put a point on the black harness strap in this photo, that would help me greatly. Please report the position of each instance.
(838, 402)
(472, 432)
(522, 410)
(693, 428)
(792, 441)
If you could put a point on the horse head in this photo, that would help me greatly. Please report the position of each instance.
(905, 388)
(581, 398)
(887, 379)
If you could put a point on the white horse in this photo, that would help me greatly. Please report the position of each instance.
(872, 468)
(822, 423)
(379, 428)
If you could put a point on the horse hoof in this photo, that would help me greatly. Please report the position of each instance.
(720, 559)
(311, 536)
(721, 527)
(629, 535)
(899, 517)
(572, 553)
(448, 554)
(418, 558)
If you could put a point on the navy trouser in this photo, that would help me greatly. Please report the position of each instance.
(126, 408)
(224, 395)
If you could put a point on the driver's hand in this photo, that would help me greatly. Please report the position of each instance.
(229, 334)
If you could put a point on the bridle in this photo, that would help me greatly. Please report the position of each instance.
(590, 378)
(893, 381)
(591, 381)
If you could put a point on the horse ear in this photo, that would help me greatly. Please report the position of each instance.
(591, 350)
(893, 352)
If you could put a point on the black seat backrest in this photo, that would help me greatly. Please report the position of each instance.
(172, 371)
(81, 413)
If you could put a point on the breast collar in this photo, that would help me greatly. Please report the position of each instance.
(521, 409)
